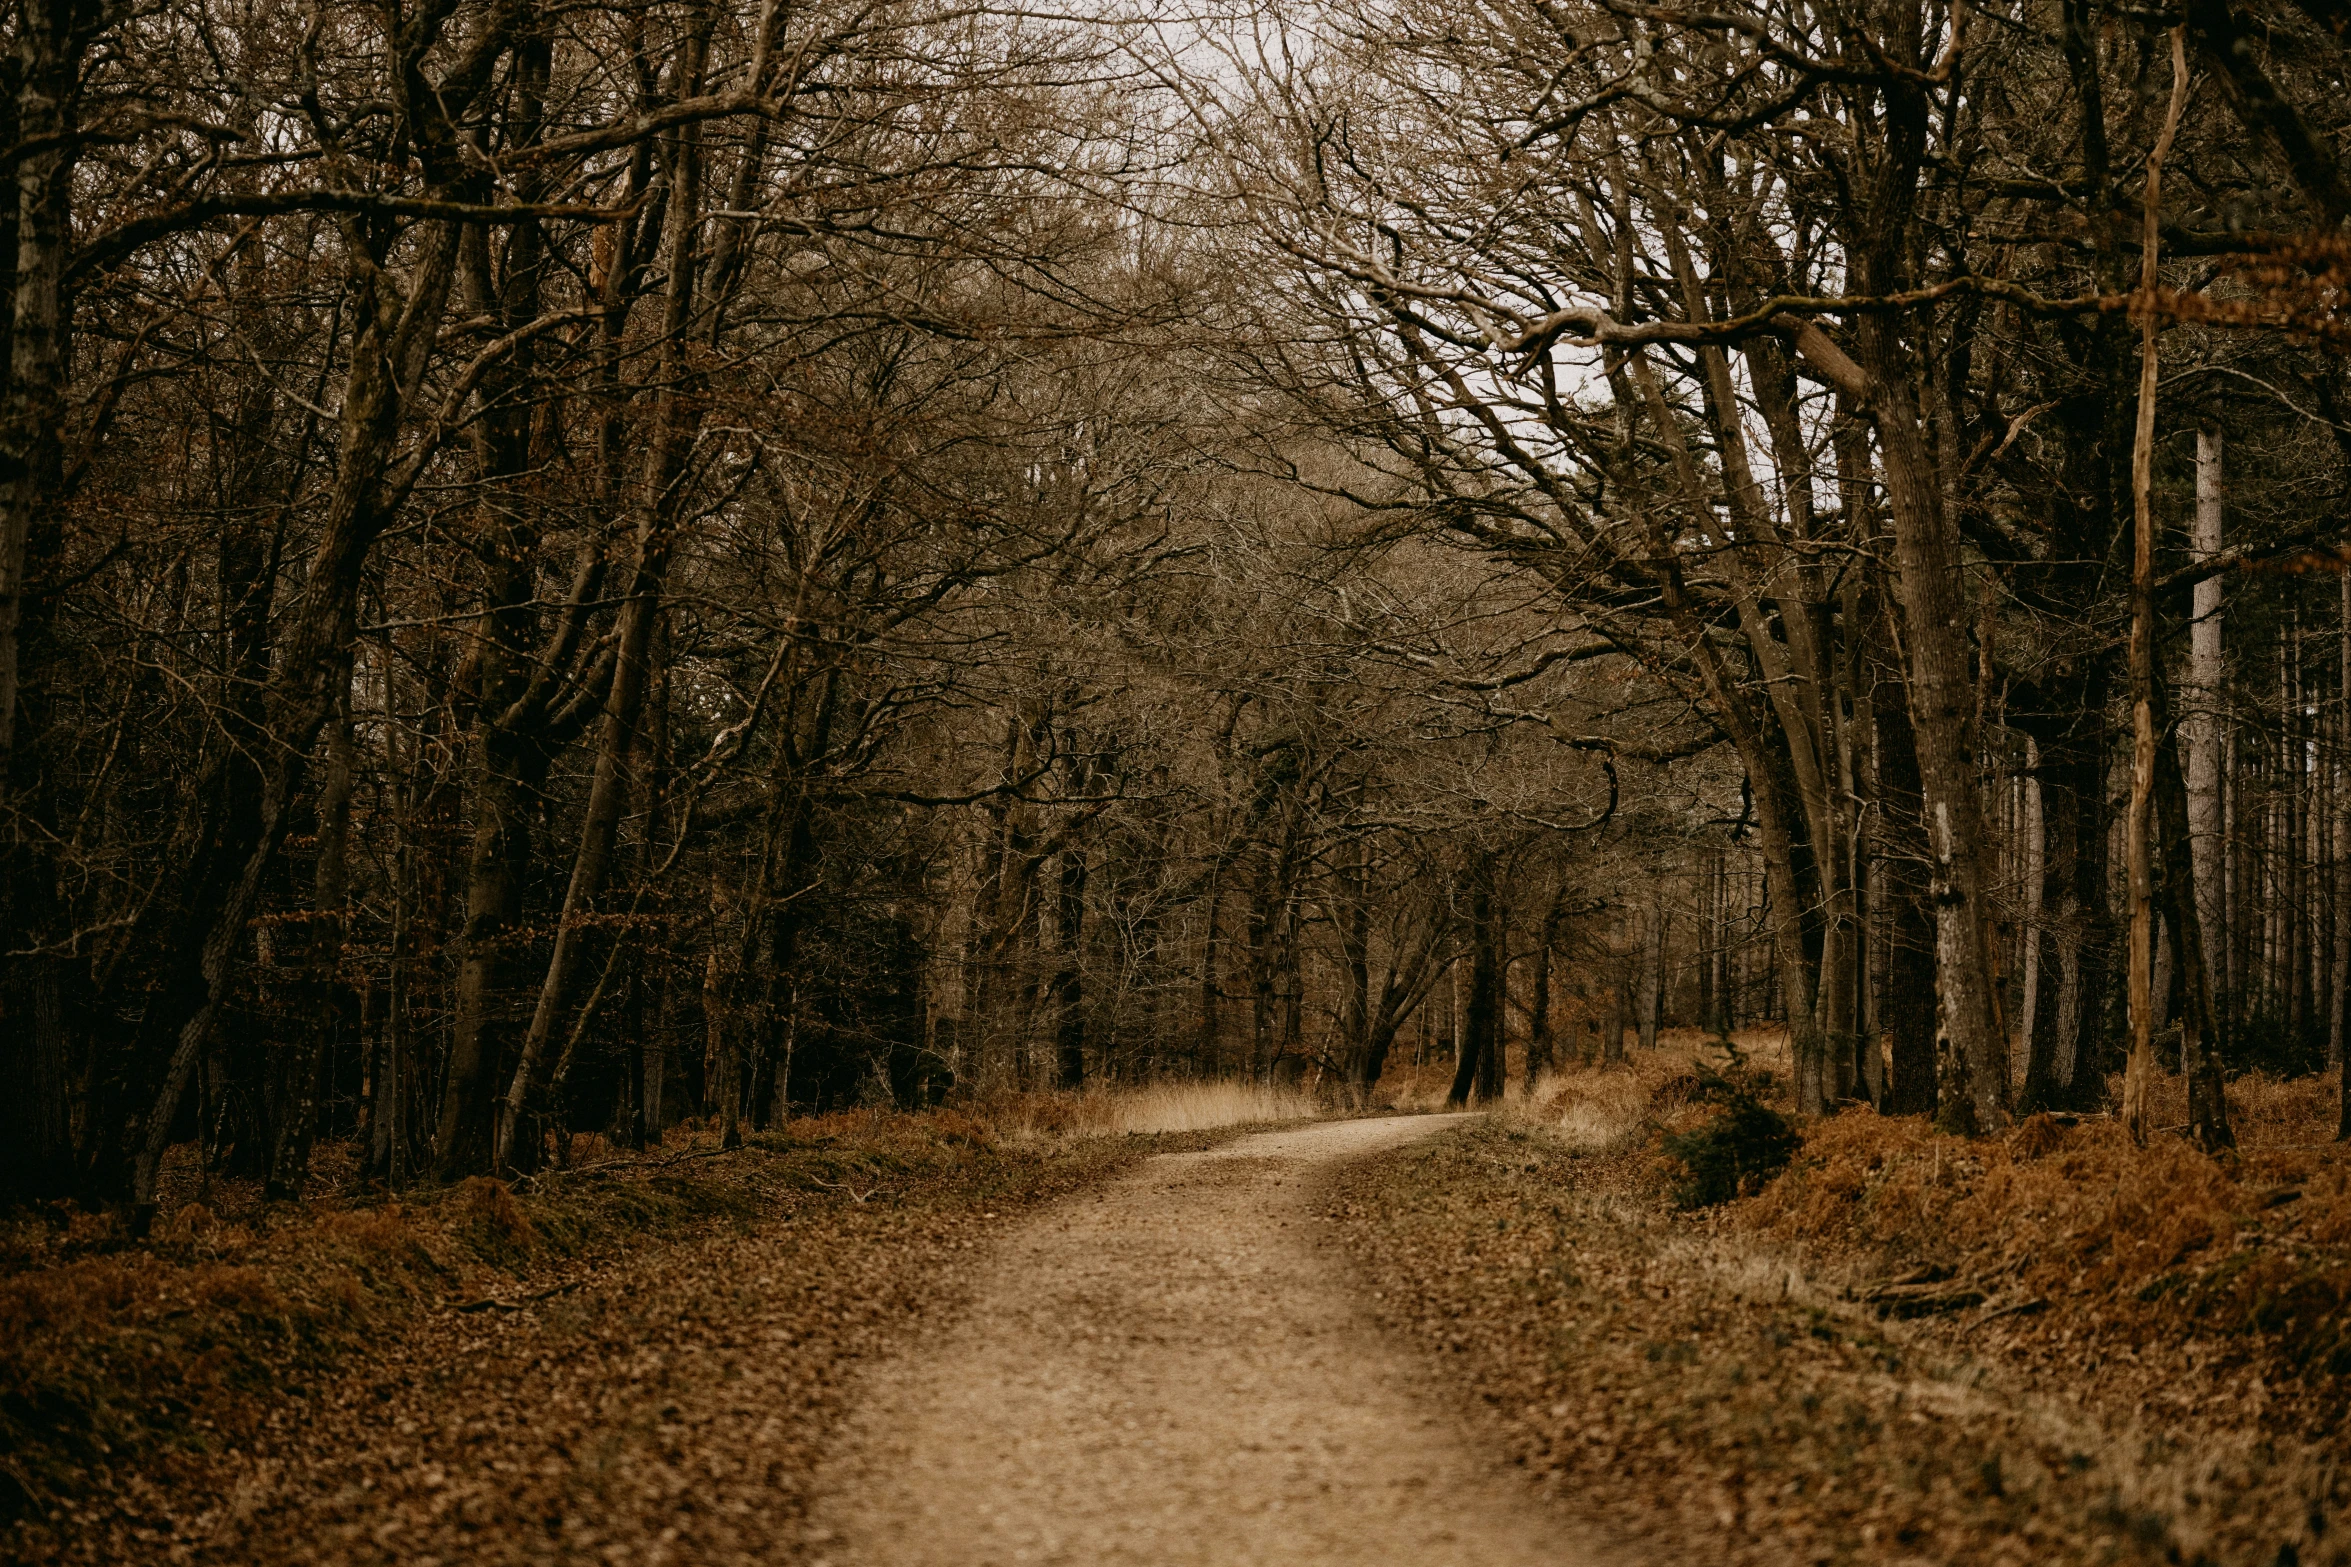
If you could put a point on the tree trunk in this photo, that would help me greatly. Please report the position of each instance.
(1971, 1048)
(2200, 723)
(1539, 1041)
(51, 38)
(1477, 1071)
(1710, 940)
(36, 1133)
(1068, 978)
(2208, 1116)
(1207, 1056)
(1620, 1001)
(1652, 967)
(2138, 1075)
(1907, 1010)
(2033, 876)
(2342, 837)
(1352, 921)
(293, 1120)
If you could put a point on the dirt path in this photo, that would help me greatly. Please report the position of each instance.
(1174, 1369)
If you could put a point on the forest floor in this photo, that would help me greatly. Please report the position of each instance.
(2051, 1348)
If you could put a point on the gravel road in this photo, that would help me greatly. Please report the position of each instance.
(1171, 1369)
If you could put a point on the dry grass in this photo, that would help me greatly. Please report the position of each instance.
(1591, 1105)
(1159, 1108)
(1593, 1112)
(1418, 1089)
(1597, 1109)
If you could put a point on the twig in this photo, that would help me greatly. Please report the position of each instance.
(492, 1303)
(2019, 1309)
(842, 1186)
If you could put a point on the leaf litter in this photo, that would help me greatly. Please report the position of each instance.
(623, 1364)
(1908, 1348)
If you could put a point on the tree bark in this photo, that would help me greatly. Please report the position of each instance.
(2200, 724)
(1971, 1048)
(1907, 1007)
(2208, 1115)
(1069, 976)
(51, 38)
(2342, 836)
(36, 991)
(1477, 1072)
(1539, 1041)
(1652, 968)
(2138, 1075)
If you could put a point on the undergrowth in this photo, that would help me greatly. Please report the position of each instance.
(1737, 1149)
(2239, 1264)
(1616, 1341)
(2247, 1255)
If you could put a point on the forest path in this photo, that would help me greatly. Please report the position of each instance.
(1173, 1368)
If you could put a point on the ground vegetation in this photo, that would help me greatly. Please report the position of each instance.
(2049, 1347)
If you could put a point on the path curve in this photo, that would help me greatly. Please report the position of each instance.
(1173, 1369)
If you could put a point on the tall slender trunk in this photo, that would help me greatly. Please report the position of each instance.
(1971, 1050)
(389, 1084)
(1971, 1045)
(2033, 875)
(2240, 890)
(2295, 774)
(2208, 1116)
(1619, 999)
(1539, 1041)
(1652, 967)
(2341, 827)
(1352, 921)
(1208, 1057)
(36, 236)
(1477, 1071)
(608, 794)
(1782, 742)
(2200, 724)
(51, 38)
(1709, 939)
(1907, 1011)
(293, 1118)
(2139, 1074)
(659, 502)
(1069, 977)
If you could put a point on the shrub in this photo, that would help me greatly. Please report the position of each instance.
(1744, 1144)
